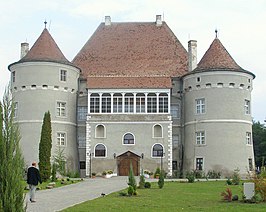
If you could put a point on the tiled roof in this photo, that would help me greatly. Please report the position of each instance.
(45, 49)
(129, 82)
(132, 50)
(217, 57)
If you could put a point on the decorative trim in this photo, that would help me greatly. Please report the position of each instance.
(219, 121)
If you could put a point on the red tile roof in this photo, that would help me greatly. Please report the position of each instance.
(217, 57)
(129, 82)
(132, 50)
(45, 49)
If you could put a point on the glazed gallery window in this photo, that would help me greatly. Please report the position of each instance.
(140, 103)
(128, 139)
(117, 103)
(200, 106)
(95, 103)
(248, 138)
(129, 103)
(100, 150)
(106, 103)
(175, 112)
(63, 75)
(61, 139)
(247, 107)
(200, 138)
(199, 164)
(157, 150)
(152, 103)
(61, 109)
(82, 113)
(163, 103)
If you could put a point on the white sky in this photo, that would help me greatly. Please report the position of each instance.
(241, 28)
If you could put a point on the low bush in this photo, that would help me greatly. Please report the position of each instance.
(161, 180)
(227, 195)
(190, 177)
(212, 174)
(236, 177)
(141, 181)
(130, 190)
(157, 172)
(147, 185)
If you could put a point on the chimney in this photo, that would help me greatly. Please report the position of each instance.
(192, 55)
(107, 20)
(159, 20)
(24, 49)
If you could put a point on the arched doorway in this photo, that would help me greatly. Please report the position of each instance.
(123, 163)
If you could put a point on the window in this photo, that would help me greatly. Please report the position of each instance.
(208, 85)
(174, 164)
(247, 107)
(200, 106)
(220, 85)
(13, 76)
(198, 79)
(231, 85)
(128, 139)
(140, 103)
(100, 150)
(157, 131)
(175, 112)
(61, 139)
(15, 109)
(63, 75)
(82, 164)
(200, 138)
(157, 150)
(106, 103)
(248, 138)
(100, 131)
(81, 142)
(82, 113)
(250, 164)
(61, 109)
(152, 103)
(163, 103)
(199, 164)
(129, 103)
(175, 141)
(117, 103)
(94, 103)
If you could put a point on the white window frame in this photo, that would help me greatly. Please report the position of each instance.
(152, 103)
(200, 138)
(200, 106)
(153, 131)
(61, 110)
(247, 107)
(117, 103)
(140, 103)
(106, 103)
(163, 103)
(104, 131)
(163, 152)
(129, 103)
(95, 151)
(63, 75)
(248, 138)
(197, 164)
(61, 137)
(94, 103)
(133, 138)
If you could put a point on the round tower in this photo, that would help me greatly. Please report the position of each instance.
(44, 80)
(217, 115)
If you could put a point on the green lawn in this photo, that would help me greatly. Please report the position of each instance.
(175, 196)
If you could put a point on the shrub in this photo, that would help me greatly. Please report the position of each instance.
(227, 195)
(109, 172)
(130, 190)
(260, 187)
(236, 177)
(53, 173)
(199, 174)
(161, 180)
(157, 172)
(141, 181)
(73, 174)
(147, 185)
(131, 178)
(212, 174)
(190, 176)
(229, 182)
(122, 193)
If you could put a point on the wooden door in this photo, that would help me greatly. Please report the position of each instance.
(124, 162)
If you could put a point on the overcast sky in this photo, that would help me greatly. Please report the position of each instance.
(241, 28)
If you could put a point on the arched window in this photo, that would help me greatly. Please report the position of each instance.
(157, 131)
(157, 150)
(100, 150)
(128, 139)
(100, 131)
(163, 103)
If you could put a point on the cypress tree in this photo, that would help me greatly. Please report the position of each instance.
(45, 147)
(12, 162)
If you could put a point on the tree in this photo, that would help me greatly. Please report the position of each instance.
(59, 159)
(12, 162)
(131, 178)
(259, 142)
(45, 147)
(161, 179)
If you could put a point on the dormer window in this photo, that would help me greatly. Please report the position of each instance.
(13, 76)
(63, 75)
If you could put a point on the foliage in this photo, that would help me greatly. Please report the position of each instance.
(227, 195)
(131, 178)
(147, 185)
(130, 190)
(59, 159)
(45, 147)
(11, 163)
(229, 181)
(259, 142)
(212, 174)
(199, 174)
(260, 186)
(157, 172)
(141, 181)
(109, 172)
(104, 173)
(53, 172)
(122, 193)
(74, 174)
(236, 177)
(161, 180)
(190, 176)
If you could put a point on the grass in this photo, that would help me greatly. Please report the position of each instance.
(175, 196)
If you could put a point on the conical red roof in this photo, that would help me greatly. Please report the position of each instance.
(217, 57)
(45, 49)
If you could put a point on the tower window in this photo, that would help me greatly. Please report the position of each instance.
(61, 139)
(63, 75)
(61, 109)
(199, 164)
(200, 106)
(198, 79)
(247, 107)
(13, 76)
(200, 138)
(248, 138)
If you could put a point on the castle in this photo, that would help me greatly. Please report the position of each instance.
(135, 95)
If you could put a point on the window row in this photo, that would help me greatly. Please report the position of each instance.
(218, 85)
(201, 138)
(129, 103)
(100, 150)
(201, 106)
